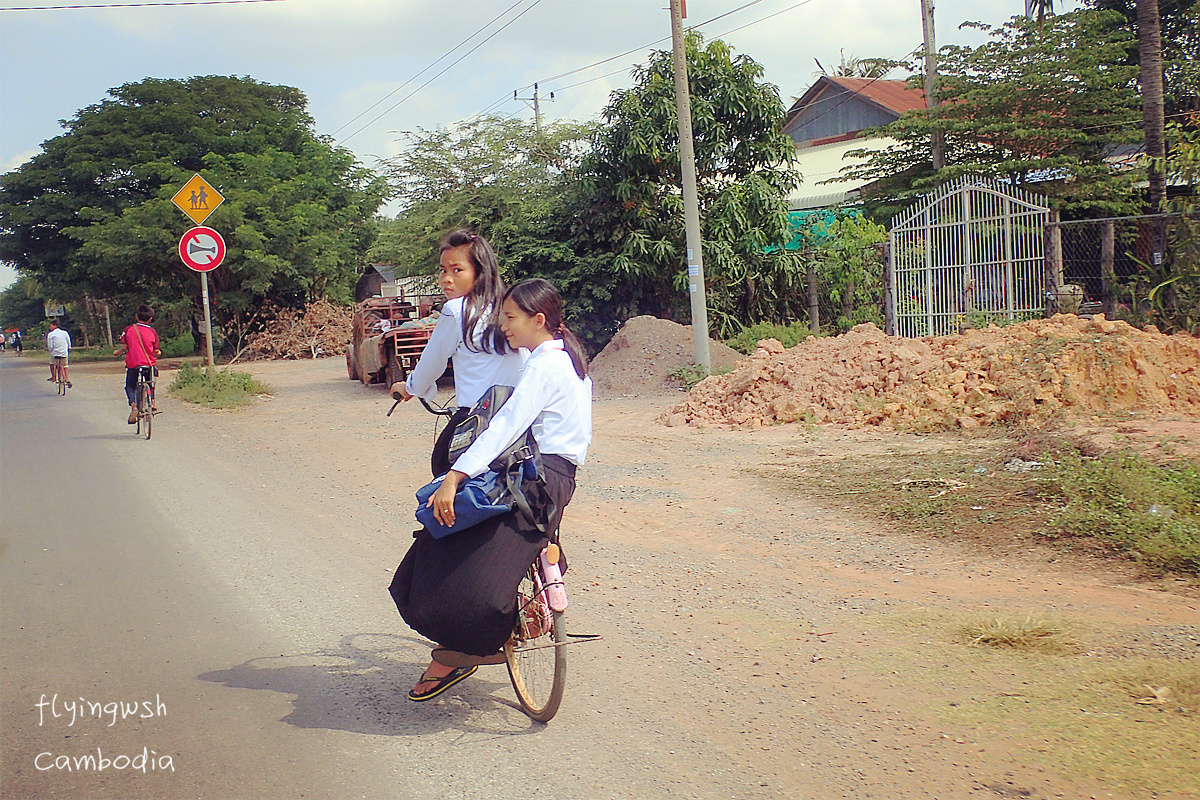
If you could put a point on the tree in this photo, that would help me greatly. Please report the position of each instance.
(498, 176)
(92, 213)
(1030, 105)
(1150, 79)
(854, 67)
(626, 228)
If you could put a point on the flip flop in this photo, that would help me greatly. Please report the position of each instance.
(441, 684)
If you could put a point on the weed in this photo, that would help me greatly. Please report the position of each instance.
(1149, 511)
(1028, 634)
(215, 388)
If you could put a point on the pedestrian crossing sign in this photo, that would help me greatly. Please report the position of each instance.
(197, 199)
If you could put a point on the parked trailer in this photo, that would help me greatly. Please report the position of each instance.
(387, 338)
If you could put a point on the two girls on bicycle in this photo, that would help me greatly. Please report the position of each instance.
(140, 346)
(460, 591)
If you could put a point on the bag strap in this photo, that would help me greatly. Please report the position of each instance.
(141, 344)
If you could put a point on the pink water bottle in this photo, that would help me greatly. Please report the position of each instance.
(556, 593)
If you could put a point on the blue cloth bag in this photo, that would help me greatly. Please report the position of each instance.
(477, 499)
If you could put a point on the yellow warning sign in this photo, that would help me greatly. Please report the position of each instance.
(197, 199)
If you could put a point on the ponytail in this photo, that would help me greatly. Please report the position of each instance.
(538, 296)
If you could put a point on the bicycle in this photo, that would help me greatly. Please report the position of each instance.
(144, 400)
(535, 654)
(60, 376)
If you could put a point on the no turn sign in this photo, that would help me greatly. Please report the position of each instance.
(202, 249)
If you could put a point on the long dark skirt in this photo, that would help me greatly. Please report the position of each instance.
(460, 591)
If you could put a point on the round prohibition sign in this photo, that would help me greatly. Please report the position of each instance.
(202, 249)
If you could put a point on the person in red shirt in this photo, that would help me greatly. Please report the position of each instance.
(140, 346)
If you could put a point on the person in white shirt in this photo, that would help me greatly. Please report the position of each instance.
(467, 333)
(460, 591)
(58, 344)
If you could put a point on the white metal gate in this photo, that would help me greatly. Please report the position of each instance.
(970, 252)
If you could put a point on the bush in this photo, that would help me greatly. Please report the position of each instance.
(215, 388)
(178, 347)
(789, 335)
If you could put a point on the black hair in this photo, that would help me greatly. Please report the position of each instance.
(482, 303)
(145, 313)
(538, 296)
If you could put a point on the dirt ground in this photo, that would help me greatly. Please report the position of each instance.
(816, 648)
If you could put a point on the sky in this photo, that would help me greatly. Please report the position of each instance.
(373, 69)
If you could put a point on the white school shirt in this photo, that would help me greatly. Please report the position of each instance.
(553, 399)
(474, 372)
(58, 342)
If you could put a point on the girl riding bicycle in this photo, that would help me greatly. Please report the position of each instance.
(460, 590)
(466, 333)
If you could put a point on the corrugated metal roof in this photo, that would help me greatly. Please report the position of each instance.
(892, 95)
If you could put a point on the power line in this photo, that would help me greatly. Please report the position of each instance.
(431, 66)
(141, 5)
(443, 72)
(659, 41)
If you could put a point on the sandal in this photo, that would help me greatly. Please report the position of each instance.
(441, 684)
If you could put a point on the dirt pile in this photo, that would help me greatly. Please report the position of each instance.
(1030, 372)
(639, 358)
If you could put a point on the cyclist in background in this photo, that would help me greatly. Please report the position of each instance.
(58, 343)
(140, 346)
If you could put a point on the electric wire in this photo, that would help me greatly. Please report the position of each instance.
(140, 5)
(446, 55)
(450, 66)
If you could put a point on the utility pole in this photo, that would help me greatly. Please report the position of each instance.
(537, 108)
(931, 100)
(691, 203)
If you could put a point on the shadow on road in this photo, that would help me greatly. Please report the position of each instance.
(361, 688)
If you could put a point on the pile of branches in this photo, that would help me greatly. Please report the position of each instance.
(320, 330)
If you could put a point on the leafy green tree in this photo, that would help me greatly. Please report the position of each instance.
(92, 214)
(21, 304)
(1030, 105)
(626, 228)
(499, 176)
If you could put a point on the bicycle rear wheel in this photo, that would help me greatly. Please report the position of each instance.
(536, 659)
(62, 381)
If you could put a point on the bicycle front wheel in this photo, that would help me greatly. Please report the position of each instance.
(536, 658)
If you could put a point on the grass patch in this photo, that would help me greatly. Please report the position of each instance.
(1151, 512)
(215, 388)
(689, 375)
(83, 355)
(1030, 634)
(788, 335)
(1002, 492)
(1080, 711)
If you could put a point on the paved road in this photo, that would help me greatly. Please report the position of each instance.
(221, 651)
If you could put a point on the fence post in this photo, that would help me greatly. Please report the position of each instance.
(1052, 247)
(889, 314)
(1108, 278)
(814, 310)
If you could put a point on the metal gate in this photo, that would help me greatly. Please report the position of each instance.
(968, 253)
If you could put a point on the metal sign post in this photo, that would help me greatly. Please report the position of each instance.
(201, 249)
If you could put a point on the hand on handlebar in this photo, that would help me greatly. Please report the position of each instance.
(400, 392)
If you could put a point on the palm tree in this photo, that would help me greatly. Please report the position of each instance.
(1040, 9)
(853, 67)
(1151, 80)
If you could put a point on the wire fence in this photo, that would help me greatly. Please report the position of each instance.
(1143, 269)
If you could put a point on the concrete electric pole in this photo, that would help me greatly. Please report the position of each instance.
(691, 204)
